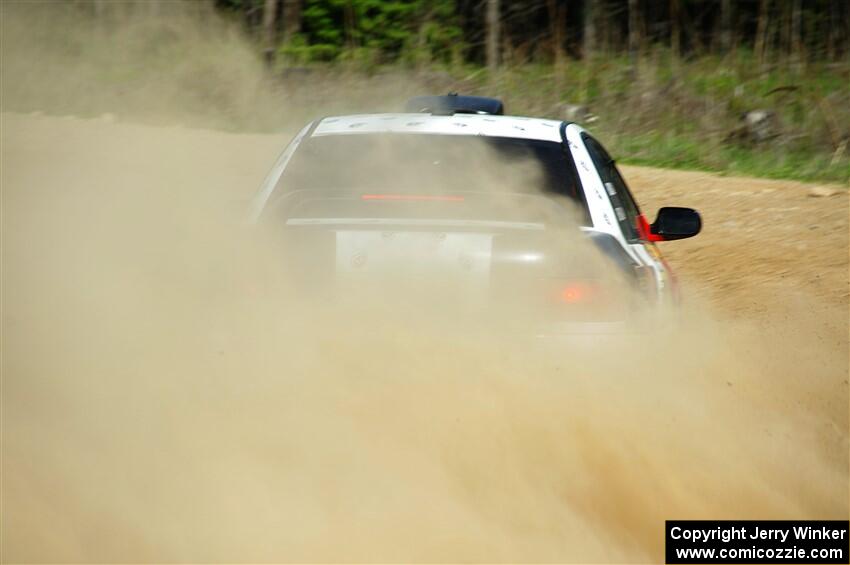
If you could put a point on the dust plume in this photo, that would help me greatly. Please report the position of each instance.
(161, 401)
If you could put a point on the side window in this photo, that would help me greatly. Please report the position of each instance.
(624, 205)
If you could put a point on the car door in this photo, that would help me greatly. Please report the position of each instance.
(631, 222)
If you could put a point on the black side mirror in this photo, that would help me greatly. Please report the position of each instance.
(676, 223)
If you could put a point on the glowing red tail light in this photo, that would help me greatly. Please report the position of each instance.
(578, 293)
(589, 300)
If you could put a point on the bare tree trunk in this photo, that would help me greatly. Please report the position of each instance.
(350, 25)
(761, 30)
(589, 28)
(493, 34)
(557, 11)
(675, 29)
(726, 26)
(833, 20)
(785, 28)
(269, 28)
(634, 30)
(291, 18)
(605, 32)
(248, 16)
(846, 34)
(796, 31)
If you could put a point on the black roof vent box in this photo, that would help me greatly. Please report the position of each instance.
(454, 104)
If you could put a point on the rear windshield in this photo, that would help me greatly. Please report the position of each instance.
(430, 164)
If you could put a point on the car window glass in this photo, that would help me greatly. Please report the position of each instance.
(429, 164)
(624, 205)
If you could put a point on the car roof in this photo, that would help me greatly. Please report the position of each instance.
(456, 124)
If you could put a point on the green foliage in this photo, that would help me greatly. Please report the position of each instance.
(376, 31)
(683, 113)
(299, 51)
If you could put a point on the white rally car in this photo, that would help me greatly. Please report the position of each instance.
(456, 195)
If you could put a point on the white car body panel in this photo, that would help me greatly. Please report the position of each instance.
(458, 124)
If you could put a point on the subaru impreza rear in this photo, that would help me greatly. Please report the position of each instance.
(485, 231)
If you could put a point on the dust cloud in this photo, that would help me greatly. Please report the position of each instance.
(161, 401)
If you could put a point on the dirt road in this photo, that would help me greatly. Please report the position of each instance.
(146, 419)
(761, 237)
(773, 256)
